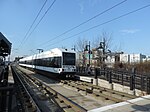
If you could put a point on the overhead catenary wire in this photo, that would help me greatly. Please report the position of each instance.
(41, 18)
(116, 18)
(71, 29)
(32, 23)
(39, 21)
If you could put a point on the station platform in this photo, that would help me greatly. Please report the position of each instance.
(7, 91)
(8, 74)
(10, 77)
(141, 104)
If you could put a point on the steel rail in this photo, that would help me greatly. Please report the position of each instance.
(109, 90)
(89, 88)
(44, 108)
(67, 101)
(22, 84)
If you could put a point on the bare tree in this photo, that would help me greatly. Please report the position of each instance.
(80, 47)
(81, 43)
(102, 45)
(104, 37)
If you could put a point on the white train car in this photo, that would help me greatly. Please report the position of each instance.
(59, 62)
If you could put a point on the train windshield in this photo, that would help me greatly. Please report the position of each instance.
(68, 58)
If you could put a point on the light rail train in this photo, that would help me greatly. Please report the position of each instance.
(56, 62)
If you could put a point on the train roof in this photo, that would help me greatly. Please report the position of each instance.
(63, 50)
(55, 51)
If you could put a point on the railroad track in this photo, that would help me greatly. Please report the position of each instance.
(94, 96)
(98, 91)
(25, 102)
(47, 92)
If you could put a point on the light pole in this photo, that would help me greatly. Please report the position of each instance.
(87, 48)
(104, 52)
(103, 48)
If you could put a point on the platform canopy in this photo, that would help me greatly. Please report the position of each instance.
(5, 46)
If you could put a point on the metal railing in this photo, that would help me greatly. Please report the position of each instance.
(123, 77)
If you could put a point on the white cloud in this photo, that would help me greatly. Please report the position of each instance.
(130, 31)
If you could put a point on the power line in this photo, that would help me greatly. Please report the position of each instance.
(32, 23)
(85, 21)
(126, 14)
(41, 18)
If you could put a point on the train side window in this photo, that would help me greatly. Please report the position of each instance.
(57, 62)
(47, 62)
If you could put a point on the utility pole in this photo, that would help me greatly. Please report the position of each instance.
(89, 53)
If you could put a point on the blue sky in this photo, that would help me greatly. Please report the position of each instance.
(130, 34)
